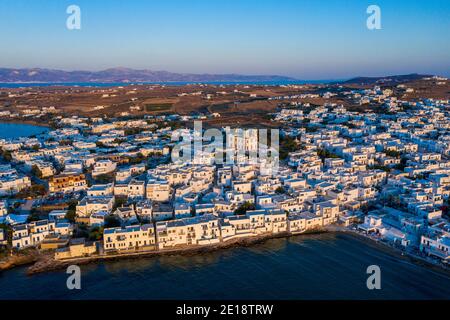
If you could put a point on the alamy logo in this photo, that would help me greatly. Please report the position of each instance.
(227, 146)
(73, 22)
(374, 20)
(374, 280)
(74, 280)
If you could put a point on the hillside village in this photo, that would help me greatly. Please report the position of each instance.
(95, 186)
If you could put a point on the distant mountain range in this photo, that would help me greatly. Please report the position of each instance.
(123, 75)
(388, 80)
(11, 75)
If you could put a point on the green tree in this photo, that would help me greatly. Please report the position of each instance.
(81, 231)
(402, 165)
(324, 154)
(104, 178)
(133, 131)
(137, 159)
(36, 171)
(119, 202)
(65, 142)
(392, 153)
(6, 154)
(119, 140)
(379, 167)
(71, 211)
(287, 144)
(34, 216)
(96, 234)
(243, 208)
(112, 222)
(100, 144)
(36, 190)
(280, 190)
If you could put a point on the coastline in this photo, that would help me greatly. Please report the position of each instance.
(10, 262)
(387, 248)
(29, 122)
(293, 264)
(44, 262)
(47, 263)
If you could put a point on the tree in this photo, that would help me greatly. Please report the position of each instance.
(350, 125)
(34, 216)
(133, 131)
(112, 222)
(119, 202)
(311, 129)
(101, 144)
(324, 154)
(394, 201)
(71, 215)
(65, 142)
(81, 231)
(6, 154)
(36, 171)
(104, 178)
(71, 211)
(287, 144)
(446, 208)
(420, 176)
(119, 140)
(402, 165)
(280, 190)
(392, 153)
(243, 208)
(8, 231)
(36, 190)
(138, 159)
(96, 234)
(379, 167)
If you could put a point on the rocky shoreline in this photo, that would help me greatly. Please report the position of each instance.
(18, 260)
(42, 262)
(47, 263)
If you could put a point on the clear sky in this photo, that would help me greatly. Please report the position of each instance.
(306, 39)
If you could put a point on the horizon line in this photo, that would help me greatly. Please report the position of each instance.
(209, 73)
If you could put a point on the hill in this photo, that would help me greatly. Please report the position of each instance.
(386, 80)
(123, 75)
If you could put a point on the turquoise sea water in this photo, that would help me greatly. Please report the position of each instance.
(326, 266)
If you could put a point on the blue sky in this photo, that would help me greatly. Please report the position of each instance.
(307, 39)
